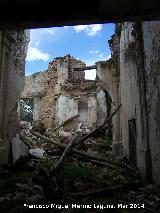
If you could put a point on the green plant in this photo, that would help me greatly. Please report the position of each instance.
(23, 177)
(73, 171)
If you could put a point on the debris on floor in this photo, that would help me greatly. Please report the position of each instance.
(79, 169)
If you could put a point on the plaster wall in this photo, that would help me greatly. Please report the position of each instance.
(13, 48)
(132, 94)
(151, 35)
(92, 112)
(37, 108)
(83, 114)
(107, 74)
(139, 93)
(102, 108)
(66, 108)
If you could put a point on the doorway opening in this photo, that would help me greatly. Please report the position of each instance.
(83, 112)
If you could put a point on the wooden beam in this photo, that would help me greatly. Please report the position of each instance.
(85, 68)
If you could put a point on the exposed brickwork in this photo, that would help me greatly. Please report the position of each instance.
(61, 79)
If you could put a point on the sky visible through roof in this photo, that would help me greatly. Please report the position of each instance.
(88, 43)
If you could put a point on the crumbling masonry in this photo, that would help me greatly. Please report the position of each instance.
(62, 92)
(132, 76)
(13, 50)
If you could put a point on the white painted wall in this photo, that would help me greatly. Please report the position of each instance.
(83, 112)
(107, 74)
(36, 108)
(151, 37)
(92, 111)
(131, 95)
(72, 108)
(102, 108)
(66, 108)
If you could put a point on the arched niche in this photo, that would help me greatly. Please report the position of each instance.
(83, 112)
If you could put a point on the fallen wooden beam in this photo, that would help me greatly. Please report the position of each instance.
(26, 142)
(65, 153)
(107, 190)
(99, 129)
(56, 152)
(76, 151)
(99, 163)
(65, 122)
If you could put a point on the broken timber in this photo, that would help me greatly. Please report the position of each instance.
(100, 128)
(95, 162)
(107, 190)
(65, 122)
(112, 163)
(85, 68)
(74, 141)
(65, 153)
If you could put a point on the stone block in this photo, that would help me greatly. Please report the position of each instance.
(18, 149)
(37, 152)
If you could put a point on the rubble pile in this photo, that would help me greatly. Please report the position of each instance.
(77, 169)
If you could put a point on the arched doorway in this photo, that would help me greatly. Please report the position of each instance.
(83, 112)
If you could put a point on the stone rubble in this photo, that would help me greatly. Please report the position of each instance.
(82, 181)
(37, 152)
(18, 149)
(61, 92)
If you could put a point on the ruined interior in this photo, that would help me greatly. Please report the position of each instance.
(70, 141)
(62, 92)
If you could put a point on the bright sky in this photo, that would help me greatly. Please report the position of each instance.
(88, 43)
